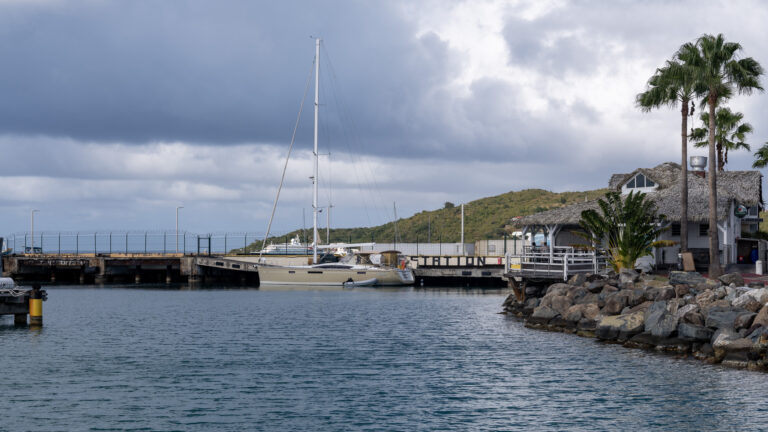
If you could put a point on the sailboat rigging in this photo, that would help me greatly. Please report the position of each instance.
(353, 269)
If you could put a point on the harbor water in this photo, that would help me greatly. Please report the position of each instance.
(122, 358)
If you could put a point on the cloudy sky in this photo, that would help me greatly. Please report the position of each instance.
(114, 113)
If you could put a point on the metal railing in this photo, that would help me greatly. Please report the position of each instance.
(562, 263)
(131, 242)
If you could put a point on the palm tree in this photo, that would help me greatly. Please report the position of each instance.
(717, 74)
(672, 83)
(730, 133)
(761, 157)
(629, 227)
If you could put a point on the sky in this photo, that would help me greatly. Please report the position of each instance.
(114, 113)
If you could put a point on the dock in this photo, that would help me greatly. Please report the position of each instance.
(22, 302)
(243, 269)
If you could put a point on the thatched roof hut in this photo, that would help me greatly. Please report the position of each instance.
(741, 187)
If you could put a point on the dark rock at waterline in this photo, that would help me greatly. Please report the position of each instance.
(661, 319)
(621, 327)
(732, 278)
(686, 278)
(692, 332)
(542, 315)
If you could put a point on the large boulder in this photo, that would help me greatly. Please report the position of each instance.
(692, 332)
(558, 289)
(661, 319)
(577, 279)
(590, 311)
(685, 278)
(621, 327)
(732, 278)
(587, 299)
(615, 302)
(574, 313)
(743, 321)
(762, 317)
(560, 303)
(684, 310)
(596, 286)
(720, 317)
(628, 276)
(748, 302)
(759, 294)
(542, 315)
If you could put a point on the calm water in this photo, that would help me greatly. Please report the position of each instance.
(364, 359)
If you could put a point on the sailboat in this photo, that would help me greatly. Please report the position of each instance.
(351, 270)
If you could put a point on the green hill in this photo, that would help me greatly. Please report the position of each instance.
(485, 218)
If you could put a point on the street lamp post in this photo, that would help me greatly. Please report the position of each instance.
(32, 228)
(177, 227)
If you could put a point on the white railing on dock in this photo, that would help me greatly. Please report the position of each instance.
(561, 262)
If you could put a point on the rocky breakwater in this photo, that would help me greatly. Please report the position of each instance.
(719, 321)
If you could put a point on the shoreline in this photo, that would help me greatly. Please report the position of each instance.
(720, 321)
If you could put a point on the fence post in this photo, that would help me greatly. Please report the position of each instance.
(126, 242)
(594, 260)
(110, 242)
(42, 249)
(245, 241)
(94, 243)
(165, 234)
(59, 242)
(77, 243)
(25, 242)
(225, 243)
(145, 242)
(565, 266)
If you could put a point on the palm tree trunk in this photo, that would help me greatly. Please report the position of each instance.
(684, 180)
(714, 244)
(720, 161)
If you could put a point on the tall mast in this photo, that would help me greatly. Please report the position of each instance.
(314, 177)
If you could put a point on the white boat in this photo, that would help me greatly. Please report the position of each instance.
(352, 268)
(295, 247)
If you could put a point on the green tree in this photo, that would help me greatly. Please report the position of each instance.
(761, 157)
(730, 133)
(717, 74)
(628, 228)
(673, 83)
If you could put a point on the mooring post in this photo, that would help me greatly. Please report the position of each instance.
(36, 306)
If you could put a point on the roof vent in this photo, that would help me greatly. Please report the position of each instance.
(698, 163)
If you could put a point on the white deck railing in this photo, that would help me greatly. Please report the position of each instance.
(562, 262)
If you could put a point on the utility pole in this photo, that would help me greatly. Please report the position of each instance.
(177, 228)
(463, 251)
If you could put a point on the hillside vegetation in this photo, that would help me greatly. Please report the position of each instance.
(485, 218)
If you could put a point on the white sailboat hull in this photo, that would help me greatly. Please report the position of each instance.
(332, 275)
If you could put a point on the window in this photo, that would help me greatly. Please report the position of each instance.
(753, 211)
(675, 230)
(704, 230)
(640, 181)
(491, 248)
